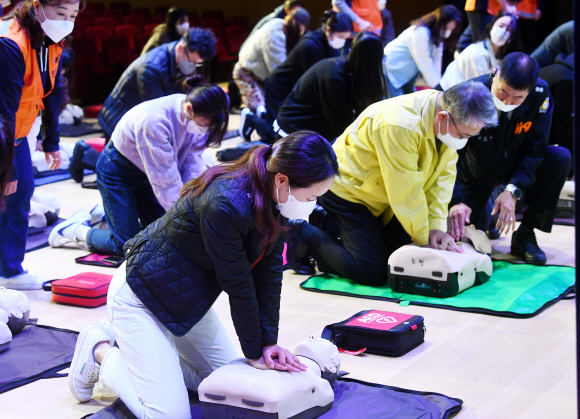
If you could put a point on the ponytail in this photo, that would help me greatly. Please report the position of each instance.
(305, 157)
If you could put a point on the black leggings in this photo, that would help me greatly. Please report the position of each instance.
(353, 243)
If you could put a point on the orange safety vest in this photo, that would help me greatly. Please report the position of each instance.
(367, 10)
(527, 8)
(32, 91)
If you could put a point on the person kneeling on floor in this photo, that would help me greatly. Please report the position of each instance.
(223, 234)
(516, 154)
(397, 168)
(155, 149)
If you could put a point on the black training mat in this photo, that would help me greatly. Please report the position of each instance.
(79, 130)
(352, 399)
(36, 352)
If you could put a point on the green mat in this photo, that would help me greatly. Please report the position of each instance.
(514, 290)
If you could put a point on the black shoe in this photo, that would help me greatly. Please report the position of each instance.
(524, 245)
(298, 253)
(493, 233)
(75, 166)
(246, 127)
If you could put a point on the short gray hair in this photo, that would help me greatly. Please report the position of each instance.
(471, 103)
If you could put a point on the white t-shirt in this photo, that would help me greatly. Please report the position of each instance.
(474, 61)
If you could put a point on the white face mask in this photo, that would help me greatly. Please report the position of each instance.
(186, 67)
(294, 209)
(449, 140)
(184, 27)
(382, 4)
(499, 36)
(447, 33)
(193, 128)
(500, 106)
(336, 42)
(56, 29)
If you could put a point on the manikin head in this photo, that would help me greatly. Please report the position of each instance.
(17, 306)
(324, 353)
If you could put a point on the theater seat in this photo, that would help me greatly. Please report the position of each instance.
(105, 22)
(98, 33)
(115, 13)
(235, 37)
(139, 21)
(148, 29)
(140, 42)
(129, 32)
(118, 51)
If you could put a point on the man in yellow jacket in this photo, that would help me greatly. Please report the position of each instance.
(397, 172)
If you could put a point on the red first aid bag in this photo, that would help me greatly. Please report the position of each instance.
(377, 332)
(85, 290)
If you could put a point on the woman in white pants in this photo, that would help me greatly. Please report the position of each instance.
(221, 235)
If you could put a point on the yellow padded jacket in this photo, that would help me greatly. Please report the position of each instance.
(389, 162)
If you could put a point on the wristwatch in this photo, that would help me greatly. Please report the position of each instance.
(515, 191)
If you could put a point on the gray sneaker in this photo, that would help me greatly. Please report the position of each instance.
(84, 369)
(24, 281)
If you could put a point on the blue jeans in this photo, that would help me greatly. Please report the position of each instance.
(14, 218)
(129, 201)
(405, 89)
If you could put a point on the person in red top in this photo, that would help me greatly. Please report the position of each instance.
(30, 50)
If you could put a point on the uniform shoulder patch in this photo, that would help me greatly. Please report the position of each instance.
(545, 105)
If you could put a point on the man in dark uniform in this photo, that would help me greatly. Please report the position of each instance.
(516, 154)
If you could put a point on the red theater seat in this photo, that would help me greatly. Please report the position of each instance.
(235, 37)
(98, 33)
(129, 32)
(139, 21)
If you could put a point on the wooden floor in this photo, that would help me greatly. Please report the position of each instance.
(501, 368)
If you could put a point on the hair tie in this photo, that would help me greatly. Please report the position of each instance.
(269, 150)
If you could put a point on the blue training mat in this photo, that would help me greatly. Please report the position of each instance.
(352, 399)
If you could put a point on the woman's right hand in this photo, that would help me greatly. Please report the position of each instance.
(10, 188)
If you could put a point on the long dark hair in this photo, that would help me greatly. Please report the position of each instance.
(514, 44)
(365, 65)
(292, 31)
(305, 157)
(174, 14)
(209, 101)
(436, 22)
(6, 156)
(25, 15)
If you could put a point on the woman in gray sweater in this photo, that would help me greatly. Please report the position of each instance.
(154, 150)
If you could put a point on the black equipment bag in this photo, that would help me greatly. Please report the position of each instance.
(377, 332)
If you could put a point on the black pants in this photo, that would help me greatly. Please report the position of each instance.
(542, 196)
(264, 128)
(353, 243)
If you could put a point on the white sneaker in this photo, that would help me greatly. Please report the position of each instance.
(24, 281)
(105, 325)
(97, 215)
(84, 369)
(65, 232)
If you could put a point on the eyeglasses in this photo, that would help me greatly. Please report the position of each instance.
(459, 132)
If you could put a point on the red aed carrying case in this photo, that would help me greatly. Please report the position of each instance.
(377, 332)
(85, 290)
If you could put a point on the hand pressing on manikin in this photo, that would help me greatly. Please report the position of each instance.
(276, 357)
(442, 241)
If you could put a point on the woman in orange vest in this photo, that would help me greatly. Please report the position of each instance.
(30, 82)
(365, 14)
